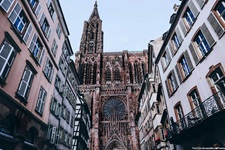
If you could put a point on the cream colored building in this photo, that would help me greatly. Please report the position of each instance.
(191, 65)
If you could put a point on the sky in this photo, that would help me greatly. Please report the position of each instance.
(127, 24)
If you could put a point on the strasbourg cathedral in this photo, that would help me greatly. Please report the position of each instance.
(110, 83)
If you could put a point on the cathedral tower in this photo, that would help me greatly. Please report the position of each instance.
(111, 82)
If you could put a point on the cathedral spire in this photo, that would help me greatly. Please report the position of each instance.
(94, 13)
(96, 5)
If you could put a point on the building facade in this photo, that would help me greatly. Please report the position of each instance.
(82, 125)
(32, 36)
(191, 65)
(152, 117)
(110, 82)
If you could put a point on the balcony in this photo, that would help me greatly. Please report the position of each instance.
(206, 117)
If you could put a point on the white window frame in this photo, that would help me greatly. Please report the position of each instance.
(11, 52)
(41, 100)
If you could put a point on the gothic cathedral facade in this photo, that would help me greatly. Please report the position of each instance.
(110, 83)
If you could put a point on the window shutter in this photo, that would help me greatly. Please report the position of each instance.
(6, 4)
(57, 108)
(52, 141)
(167, 88)
(49, 132)
(27, 34)
(216, 25)
(193, 8)
(190, 65)
(48, 2)
(24, 82)
(7, 57)
(38, 9)
(49, 33)
(38, 105)
(54, 16)
(52, 73)
(42, 19)
(43, 101)
(193, 53)
(52, 104)
(42, 56)
(183, 28)
(46, 65)
(32, 43)
(175, 80)
(14, 14)
(178, 73)
(200, 3)
(171, 48)
(207, 35)
(179, 35)
(168, 54)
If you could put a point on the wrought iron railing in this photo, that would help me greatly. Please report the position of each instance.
(207, 108)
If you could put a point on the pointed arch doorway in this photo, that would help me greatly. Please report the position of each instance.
(114, 125)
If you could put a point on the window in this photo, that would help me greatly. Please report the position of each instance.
(202, 44)
(55, 107)
(20, 22)
(41, 101)
(137, 72)
(59, 30)
(176, 42)
(108, 75)
(35, 6)
(171, 83)
(179, 114)
(45, 26)
(37, 49)
(188, 18)
(68, 116)
(54, 47)
(165, 60)
(51, 9)
(57, 82)
(48, 70)
(184, 66)
(217, 18)
(18, 19)
(25, 84)
(220, 9)
(91, 47)
(52, 134)
(7, 56)
(216, 78)
(8, 125)
(195, 102)
(6, 4)
(117, 74)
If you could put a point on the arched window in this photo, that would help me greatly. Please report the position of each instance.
(88, 73)
(117, 74)
(108, 75)
(94, 73)
(131, 73)
(114, 108)
(7, 125)
(137, 72)
(31, 135)
(81, 73)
